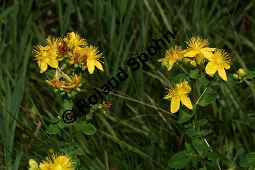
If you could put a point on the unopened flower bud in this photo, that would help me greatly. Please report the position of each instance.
(241, 72)
(193, 63)
(185, 60)
(180, 60)
(236, 77)
(32, 164)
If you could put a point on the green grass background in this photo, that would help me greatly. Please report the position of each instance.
(138, 134)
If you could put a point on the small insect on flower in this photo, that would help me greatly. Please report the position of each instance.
(172, 56)
(219, 61)
(179, 93)
(57, 162)
(196, 46)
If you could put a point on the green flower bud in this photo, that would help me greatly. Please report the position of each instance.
(180, 60)
(193, 63)
(32, 164)
(241, 72)
(236, 77)
(186, 60)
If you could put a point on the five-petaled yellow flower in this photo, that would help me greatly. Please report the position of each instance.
(172, 56)
(93, 59)
(197, 45)
(219, 61)
(73, 41)
(57, 162)
(179, 93)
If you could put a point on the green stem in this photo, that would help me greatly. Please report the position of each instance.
(184, 70)
(71, 134)
(201, 95)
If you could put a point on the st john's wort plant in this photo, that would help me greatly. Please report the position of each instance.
(202, 67)
(65, 61)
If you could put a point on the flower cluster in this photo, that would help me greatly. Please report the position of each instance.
(197, 53)
(54, 162)
(69, 58)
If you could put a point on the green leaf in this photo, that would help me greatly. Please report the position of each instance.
(191, 132)
(50, 73)
(248, 160)
(250, 74)
(202, 122)
(202, 80)
(180, 78)
(73, 150)
(207, 98)
(194, 74)
(53, 129)
(55, 120)
(213, 157)
(179, 160)
(201, 147)
(189, 148)
(86, 128)
(204, 133)
(61, 124)
(68, 105)
(184, 116)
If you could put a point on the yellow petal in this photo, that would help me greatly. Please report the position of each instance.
(207, 54)
(186, 101)
(227, 66)
(43, 66)
(53, 63)
(99, 66)
(91, 66)
(175, 104)
(168, 96)
(210, 68)
(209, 49)
(222, 74)
(170, 65)
(185, 87)
(191, 53)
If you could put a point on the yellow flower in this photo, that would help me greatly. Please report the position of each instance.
(57, 162)
(56, 44)
(219, 61)
(172, 56)
(197, 45)
(179, 93)
(73, 40)
(93, 56)
(46, 56)
(33, 165)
